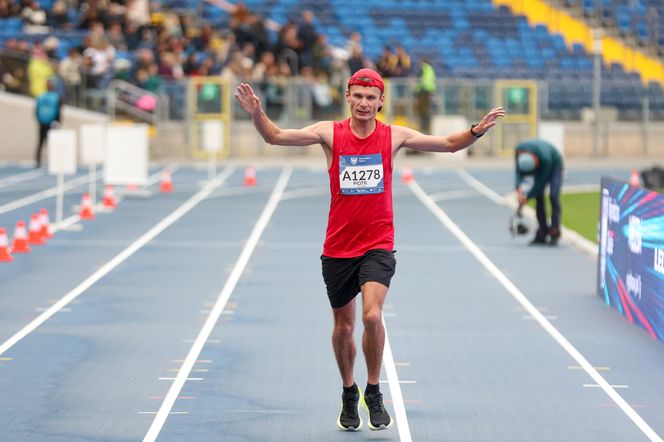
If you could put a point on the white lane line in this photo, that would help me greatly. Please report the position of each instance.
(568, 236)
(385, 381)
(172, 412)
(117, 260)
(19, 177)
(395, 391)
(172, 379)
(599, 386)
(42, 195)
(530, 308)
(218, 308)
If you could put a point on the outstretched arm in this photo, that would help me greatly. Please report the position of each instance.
(273, 134)
(405, 137)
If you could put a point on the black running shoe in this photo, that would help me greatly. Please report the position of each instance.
(349, 418)
(379, 419)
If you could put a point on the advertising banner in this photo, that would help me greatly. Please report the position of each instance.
(630, 274)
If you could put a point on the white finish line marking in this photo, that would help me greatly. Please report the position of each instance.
(218, 308)
(530, 308)
(599, 386)
(117, 260)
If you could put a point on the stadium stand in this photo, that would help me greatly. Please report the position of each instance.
(473, 39)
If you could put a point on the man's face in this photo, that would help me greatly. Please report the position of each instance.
(364, 102)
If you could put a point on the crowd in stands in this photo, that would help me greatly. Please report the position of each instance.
(91, 42)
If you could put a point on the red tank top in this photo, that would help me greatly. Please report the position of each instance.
(361, 216)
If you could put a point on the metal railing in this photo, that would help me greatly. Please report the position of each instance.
(125, 100)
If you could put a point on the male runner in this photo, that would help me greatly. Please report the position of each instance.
(358, 254)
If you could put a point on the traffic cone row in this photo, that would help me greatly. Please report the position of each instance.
(39, 231)
(39, 228)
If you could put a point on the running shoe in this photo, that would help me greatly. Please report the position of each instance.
(379, 419)
(349, 418)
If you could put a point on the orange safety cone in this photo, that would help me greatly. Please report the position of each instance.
(45, 224)
(109, 200)
(34, 233)
(86, 211)
(20, 244)
(634, 179)
(407, 175)
(166, 182)
(250, 176)
(5, 250)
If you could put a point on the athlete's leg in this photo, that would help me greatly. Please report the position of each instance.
(342, 341)
(373, 338)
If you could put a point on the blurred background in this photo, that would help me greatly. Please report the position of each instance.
(585, 74)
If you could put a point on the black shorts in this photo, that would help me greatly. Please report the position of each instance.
(344, 276)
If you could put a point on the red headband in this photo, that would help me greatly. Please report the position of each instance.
(368, 78)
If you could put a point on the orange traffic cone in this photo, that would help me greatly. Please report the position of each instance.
(407, 175)
(86, 208)
(634, 179)
(5, 250)
(34, 234)
(109, 200)
(166, 182)
(250, 176)
(20, 244)
(45, 224)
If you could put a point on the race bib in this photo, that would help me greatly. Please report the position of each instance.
(361, 174)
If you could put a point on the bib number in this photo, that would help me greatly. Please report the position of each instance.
(361, 174)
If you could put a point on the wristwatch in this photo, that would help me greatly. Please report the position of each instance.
(473, 133)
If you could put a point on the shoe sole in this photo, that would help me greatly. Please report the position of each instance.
(369, 424)
(341, 427)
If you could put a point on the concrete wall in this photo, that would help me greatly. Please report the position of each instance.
(20, 130)
(19, 137)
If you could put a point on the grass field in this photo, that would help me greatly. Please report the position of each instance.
(580, 212)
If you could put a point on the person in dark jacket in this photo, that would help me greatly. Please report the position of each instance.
(47, 113)
(538, 165)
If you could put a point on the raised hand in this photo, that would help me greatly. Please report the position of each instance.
(248, 99)
(489, 120)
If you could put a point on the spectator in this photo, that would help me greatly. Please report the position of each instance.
(138, 12)
(14, 80)
(425, 89)
(33, 14)
(260, 37)
(39, 71)
(386, 63)
(116, 37)
(307, 35)
(402, 65)
(47, 113)
(69, 71)
(288, 46)
(147, 78)
(59, 17)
